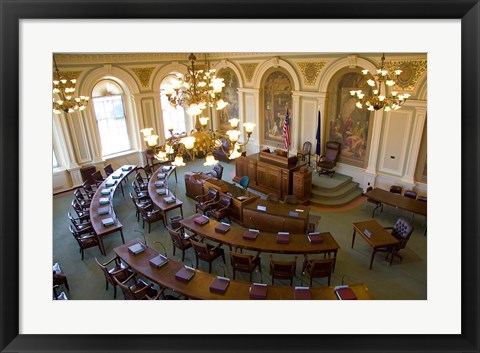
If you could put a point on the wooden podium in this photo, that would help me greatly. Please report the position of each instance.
(302, 185)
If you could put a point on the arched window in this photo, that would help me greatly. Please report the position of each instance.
(107, 97)
(277, 91)
(230, 95)
(348, 124)
(172, 117)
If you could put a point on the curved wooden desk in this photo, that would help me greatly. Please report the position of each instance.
(265, 241)
(116, 179)
(159, 200)
(198, 286)
(397, 200)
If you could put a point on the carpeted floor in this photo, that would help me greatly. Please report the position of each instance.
(406, 280)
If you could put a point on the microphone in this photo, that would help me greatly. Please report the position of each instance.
(163, 247)
(143, 234)
(190, 261)
(283, 225)
(343, 279)
(222, 266)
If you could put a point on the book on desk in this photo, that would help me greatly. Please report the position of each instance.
(169, 199)
(219, 284)
(136, 248)
(250, 234)
(166, 168)
(345, 293)
(105, 192)
(117, 176)
(258, 291)
(110, 183)
(104, 200)
(222, 228)
(315, 238)
(126, 169)
(159, 183)
(161, 191)
(108, 222)
(283, 238)
(161, 176)
(201, 220)
(103, 210)
(158, 261)
(302, 293)
(185, 274)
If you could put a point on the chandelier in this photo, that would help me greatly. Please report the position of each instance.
(63, 94)
(197, 90)
(382, 80)
(202, 141)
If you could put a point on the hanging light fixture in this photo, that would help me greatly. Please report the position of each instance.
(197, 90)
(381, 96)
(63, 94)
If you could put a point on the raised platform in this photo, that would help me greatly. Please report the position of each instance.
(336, 191)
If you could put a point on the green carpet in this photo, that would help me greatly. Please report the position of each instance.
(403, 280)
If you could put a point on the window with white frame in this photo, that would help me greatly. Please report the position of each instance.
(172, 117)
(54, 160)
(107, 97)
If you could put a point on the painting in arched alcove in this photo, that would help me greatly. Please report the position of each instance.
(348, 124)
(230, 95)
(277, 93)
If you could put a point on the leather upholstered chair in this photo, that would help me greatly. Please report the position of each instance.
(82, 200)
(150, 215)
(321, 268)
(328, 161)
(59, 277)
(81, 224)
(119, 271)
(306, 150)
(142, 183)
(86, 241)
(194, 183)
(97, 178)
(108, 169)
(137, 202)
(88, 190)
(207, 252)
(140, 194)
(222, 153)
(283, 269)
(221, 208)
(396, 189)
(179, 241)
(410, 194)
(376, 203)
(217, 171)
(402, 230)
(205, 201)
(422, 198)
(79, 209)
(139, 290)
(245, 263)
(244, 181)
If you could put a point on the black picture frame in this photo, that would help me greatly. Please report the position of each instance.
(13, 11)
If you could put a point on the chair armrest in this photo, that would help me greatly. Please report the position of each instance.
(160, 292)
(147, 287)
(110, 261)
(387, 227)
(129, 278)
(199, 196)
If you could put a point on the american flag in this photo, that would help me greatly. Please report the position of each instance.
(286, 131)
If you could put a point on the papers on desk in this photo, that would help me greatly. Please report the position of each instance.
(161, 176)
(166, 168)
(261, 208)
(242, 198)
(293, 214)
(161, 191)
(110, 183)
(367, 233)
(299, 210)
(159, 184)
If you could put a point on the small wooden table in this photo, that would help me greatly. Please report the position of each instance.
(399, 201)
(379, 239)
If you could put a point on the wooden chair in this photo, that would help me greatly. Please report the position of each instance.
(221, 208)
(137, 202)
(150, 215)
(80, 210)
(140, 194)
(97, 178)
(402, 230)
(56, 296)
(88, 190)
(328, 161)
(410, 194)
(139, 290)
(108, 169)
(81, 224)
(376, 203)
(179, 241)
(290, 200)
(86, 241)
(141, 182)
(119, 271)
(283, 269)
(207, 252)
(306, 149)
(84, 202)
(245, 263)
(396, 189)
(204, 202)
(273, 197)
(59, 278)
(318, 268)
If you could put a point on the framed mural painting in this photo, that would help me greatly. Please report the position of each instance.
(12, 335)
(230, 95)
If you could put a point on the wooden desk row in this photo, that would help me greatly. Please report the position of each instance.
(397, 200)
(265, 241)
(198, 286)
(115, 179)
(159, 200)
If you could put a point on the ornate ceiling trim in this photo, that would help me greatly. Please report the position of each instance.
(143, 74)
(412, 70)
(310, 71)
(249, 70)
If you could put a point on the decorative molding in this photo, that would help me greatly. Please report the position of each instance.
(143, 74)
(249, 70)
(310, 71)
(412, 70)
(70, 75)
(352, 61)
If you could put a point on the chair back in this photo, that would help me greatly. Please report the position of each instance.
(177, 239)
(396, 189)
(307, 146)
(108, 169)
(283, 268)
(127, 292)
(291, 200)
(217, 171)
(402, 230)
(224, 201)
(108, 275)
(332, 151)
(139, 178)
(244, 181)
(241, 261)
(97, 177)
(273, 197)
(422, 198)
(321, 268)
(88, 189)
(78, 195)
(410, 194)
(211, 195)
(201, 249)
(78, 208)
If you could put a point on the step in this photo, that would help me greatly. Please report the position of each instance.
(324, 182)
(337, 202)
(336, 193)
